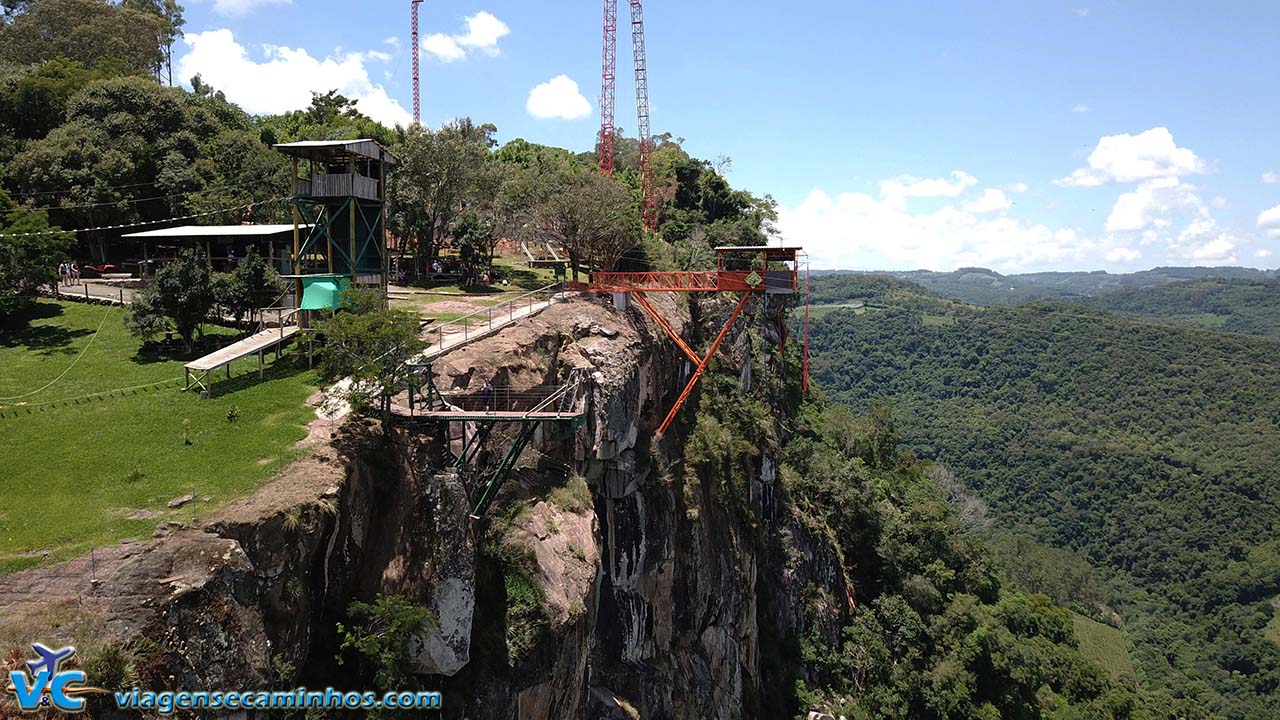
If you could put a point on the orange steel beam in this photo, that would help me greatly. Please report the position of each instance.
(702, 366)
(696, 281)
(644, 303)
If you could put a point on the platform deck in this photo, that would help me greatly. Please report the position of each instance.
(198, 371)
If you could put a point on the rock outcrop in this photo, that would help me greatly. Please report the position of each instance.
(655, 600)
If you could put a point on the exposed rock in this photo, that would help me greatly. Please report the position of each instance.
(180, 501)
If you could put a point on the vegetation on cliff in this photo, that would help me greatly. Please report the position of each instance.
(1145, 449)
(915, 621)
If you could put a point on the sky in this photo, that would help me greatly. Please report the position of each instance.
(1018, 136)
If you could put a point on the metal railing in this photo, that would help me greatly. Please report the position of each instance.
(483, 320)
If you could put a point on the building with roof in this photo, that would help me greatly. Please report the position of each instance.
(223, 245)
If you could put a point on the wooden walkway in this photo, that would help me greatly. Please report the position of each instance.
(198, 372)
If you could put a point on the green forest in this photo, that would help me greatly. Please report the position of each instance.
(1146, 450)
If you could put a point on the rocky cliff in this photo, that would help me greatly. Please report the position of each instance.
(615, 576)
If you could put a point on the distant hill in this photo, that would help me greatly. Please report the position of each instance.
(1251, 307)
(981, 286)
(1149, 450)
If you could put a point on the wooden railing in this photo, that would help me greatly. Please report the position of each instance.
(338, 185)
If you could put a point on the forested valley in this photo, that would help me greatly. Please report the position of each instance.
(1146, 451)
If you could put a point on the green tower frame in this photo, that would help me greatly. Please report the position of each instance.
(339, 216)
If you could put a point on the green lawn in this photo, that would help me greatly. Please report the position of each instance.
(1105, 646)
(81, 456)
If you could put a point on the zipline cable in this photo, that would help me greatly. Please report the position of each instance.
(144, 224)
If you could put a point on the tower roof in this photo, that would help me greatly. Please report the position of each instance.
(328, 149)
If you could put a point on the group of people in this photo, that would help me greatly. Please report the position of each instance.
(69, 273)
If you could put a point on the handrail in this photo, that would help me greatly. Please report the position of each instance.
(488, 313)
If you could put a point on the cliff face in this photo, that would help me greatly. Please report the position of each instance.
(654, 593)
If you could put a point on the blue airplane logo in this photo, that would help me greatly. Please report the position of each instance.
(49, 659)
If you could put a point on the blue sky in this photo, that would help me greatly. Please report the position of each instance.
(1014, 135)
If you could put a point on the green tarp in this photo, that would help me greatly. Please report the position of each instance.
(322, 292)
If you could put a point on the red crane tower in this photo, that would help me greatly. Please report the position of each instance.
(417, 103)
(607, 78)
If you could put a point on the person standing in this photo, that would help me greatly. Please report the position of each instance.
(487, 394)
(75, 273)
(64, 273)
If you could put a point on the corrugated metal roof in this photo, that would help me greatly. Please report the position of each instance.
(192, 231)
(364, 147)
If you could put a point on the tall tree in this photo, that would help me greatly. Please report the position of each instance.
(592, 217)
(441, 173)
(94, 32)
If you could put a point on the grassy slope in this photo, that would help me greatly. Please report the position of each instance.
(1105, 646)
(73, 470)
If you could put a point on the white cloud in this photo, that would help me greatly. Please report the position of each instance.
(1122, 255)
(1269, 220)
(1080, 109)
(856, 230)
(285, 79)
(909, 186)
(1017, 187)
(1262, 253)
(989, 201)
(1081, 12)
(1130, 158)
(483, 32)
(393, 41)
(445, 48)
(1271, 178)
(558, 97)
(1216, 249)
(1151, 205)
(236, 8)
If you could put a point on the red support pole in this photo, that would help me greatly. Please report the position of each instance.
(805, 382)
(702, 366)
(417, 103)
(644, 303)
(648, 199)
(608, 66)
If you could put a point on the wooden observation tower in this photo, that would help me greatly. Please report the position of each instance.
(743, 269)
(339, 218)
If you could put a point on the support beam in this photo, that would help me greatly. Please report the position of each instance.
(679, 341)
(503, 471)
(702, 366)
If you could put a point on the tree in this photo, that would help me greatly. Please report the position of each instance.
(590, 216)
(380, 634)
(171, 13)
(372, 345)
(258, 281)
(27, 262)
(94, 32)
(475, 238)
(441, 173)
(182, 292)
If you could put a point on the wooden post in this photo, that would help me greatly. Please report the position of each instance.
(351, 236)
(297, 282)
(384, 256)
(259, 365)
